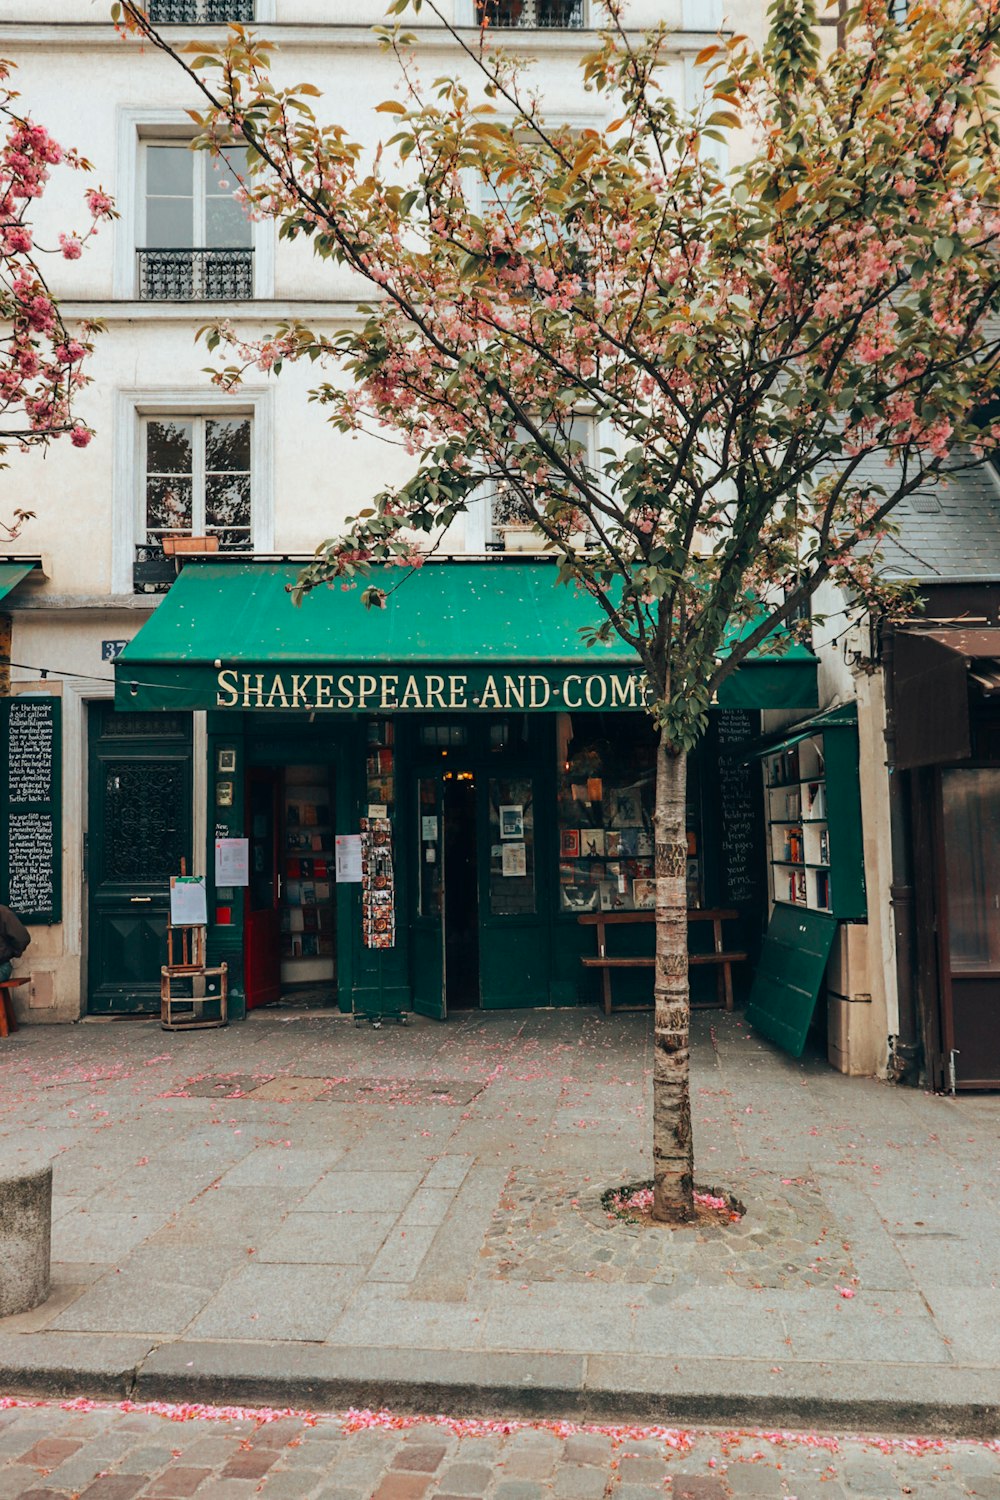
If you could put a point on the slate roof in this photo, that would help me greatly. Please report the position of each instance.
(951, 533)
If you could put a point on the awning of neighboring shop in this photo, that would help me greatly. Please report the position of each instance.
(491, 636)
(830, 718)
(933, 672)
(12, 572)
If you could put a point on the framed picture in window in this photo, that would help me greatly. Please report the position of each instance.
(512, 821)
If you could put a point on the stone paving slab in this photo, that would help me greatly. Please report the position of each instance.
(425, 1214)
(48, 1452)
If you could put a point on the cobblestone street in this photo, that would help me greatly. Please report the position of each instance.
(104, 1452)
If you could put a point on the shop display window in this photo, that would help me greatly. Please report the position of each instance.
(606, 794)
(512, 847)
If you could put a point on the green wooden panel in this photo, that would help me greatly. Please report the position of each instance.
(843, 795)
(139, 831)
(790, 975)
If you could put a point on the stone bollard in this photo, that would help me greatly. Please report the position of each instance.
(25, 1238)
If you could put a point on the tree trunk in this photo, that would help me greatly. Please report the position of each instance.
(673, 1163)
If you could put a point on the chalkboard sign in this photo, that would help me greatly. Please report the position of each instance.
(742, 872)
(31, 808)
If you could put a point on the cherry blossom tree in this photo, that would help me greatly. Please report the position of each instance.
(41, 360)
(775, 353)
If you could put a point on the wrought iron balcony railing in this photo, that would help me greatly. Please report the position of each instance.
(545, 15)
(195, 275)
(200, 12)
(152, 573)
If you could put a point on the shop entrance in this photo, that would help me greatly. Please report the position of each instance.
(969, 938)
(461, 892)
(290, 916)
(139, 831)
(446, 929)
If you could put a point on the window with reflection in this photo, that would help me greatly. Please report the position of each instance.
(971, 800)
(197, 479)
(512, 846)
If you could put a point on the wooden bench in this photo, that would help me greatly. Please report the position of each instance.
(718, 957)
(8, 1020)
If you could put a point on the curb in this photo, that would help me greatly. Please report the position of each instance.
(933, 1400)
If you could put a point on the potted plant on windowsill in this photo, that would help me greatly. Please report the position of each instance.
(173, 545)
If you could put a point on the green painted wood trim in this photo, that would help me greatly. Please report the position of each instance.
(790, 975)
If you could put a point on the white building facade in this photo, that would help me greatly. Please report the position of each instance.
(261, 474)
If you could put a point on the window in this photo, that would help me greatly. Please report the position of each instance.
(506, 514)
(197, 236)
(548, 15)
(205, 12)
(197, 479)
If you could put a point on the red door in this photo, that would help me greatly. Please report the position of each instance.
(262, 926)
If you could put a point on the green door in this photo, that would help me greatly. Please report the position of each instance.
(514, 928)
(139, 830)
(428, 932)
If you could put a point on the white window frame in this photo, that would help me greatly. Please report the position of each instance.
(133, 407)
(198, 420)
(199, 183)
(137, 128)
(479, 529)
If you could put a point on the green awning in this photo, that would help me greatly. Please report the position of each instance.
(830, 718)
(11, 574)
(453, 636)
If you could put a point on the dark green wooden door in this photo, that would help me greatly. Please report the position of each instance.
(139, 830)
(514, 926)
(427, 933)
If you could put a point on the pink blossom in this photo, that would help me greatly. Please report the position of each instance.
(17, 239)
(80, 436)
(99, 203)
(71, 246)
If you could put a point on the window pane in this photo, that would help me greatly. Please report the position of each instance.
(169, 171)
(169, 197)
(512, 848)
(227, 508)
(606, 788)
(168, 447)
(429, 811)
(227, 444)
(168, 505)
(169, 223)
(972, 856)
(226, 223)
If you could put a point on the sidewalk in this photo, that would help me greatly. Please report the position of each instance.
(298, 1212)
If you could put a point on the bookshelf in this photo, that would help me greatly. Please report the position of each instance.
(308, 924)
(813, 812)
